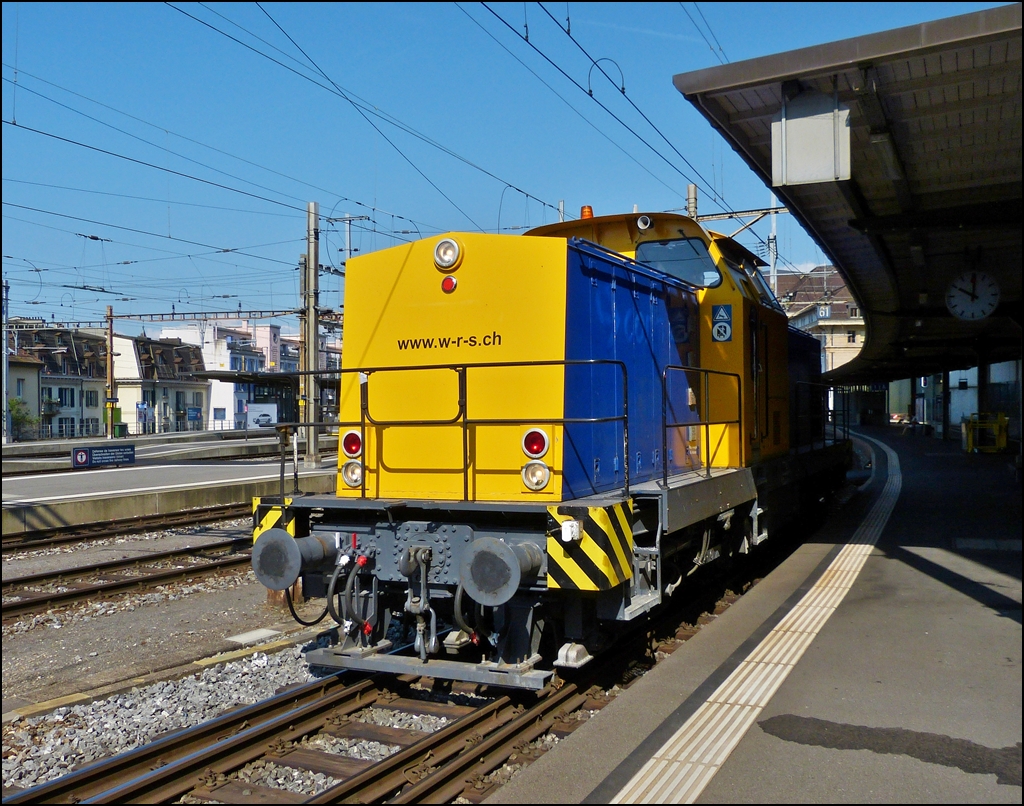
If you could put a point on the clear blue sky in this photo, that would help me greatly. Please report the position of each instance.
(150, 137)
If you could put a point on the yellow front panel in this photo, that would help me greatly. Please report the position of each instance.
(508, 306)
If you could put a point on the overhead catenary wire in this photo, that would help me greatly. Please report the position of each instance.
(146, 198)
(364, 106)
(188, 139)
(580, 87)
(715, 195)
(595, 63)
(143, 232)
(150, 165)
(699, 31)
(376, 128)
(710, 31)
(562, 98)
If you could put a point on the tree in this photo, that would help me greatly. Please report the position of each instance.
(22, 421)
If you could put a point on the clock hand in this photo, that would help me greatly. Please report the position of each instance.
(971, 294)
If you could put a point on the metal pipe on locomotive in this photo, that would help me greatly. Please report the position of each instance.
(542, 438)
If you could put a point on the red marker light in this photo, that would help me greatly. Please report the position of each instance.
(535, 443)
(352, 444)
(367, 628)
(448, 284)
(362, 560)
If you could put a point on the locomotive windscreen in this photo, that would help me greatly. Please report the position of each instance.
(684, 258)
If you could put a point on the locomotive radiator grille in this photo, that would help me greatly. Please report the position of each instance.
(603, 556)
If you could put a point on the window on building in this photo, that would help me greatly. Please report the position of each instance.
(220, 414)
(197, 398)
(66, 396)
(854, 312)
(851, 336)
(149, 396)
(21, 387)
(179, 401)
(65, 426)
(92, 398)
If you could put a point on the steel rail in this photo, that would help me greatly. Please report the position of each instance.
(388, 776)
(449, 781)
(94, 779)
(58, 535)
(10, 583)
(18, 608)
(173, 780)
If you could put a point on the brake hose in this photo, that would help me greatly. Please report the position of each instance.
(331, 587)
(349, 607)
(291, 608)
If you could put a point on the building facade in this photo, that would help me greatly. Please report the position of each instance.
(819, 303)
(155, 388)
(70, 368)
(226, 347)
(23, 374)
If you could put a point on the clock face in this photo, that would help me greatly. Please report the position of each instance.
(972, 296)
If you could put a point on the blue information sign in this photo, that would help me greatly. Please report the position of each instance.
(101, 457)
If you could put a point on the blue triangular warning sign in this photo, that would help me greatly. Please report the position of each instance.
(721, 313)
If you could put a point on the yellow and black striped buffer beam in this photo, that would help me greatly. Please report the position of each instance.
(601, 558)
(269, 516)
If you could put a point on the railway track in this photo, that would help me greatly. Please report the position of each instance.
(60, 535)
(208, 762)
(294, 731)
(35, 592)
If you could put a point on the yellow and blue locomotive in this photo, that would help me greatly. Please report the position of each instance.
(543, 436)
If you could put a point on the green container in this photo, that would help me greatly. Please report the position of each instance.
(120, 429)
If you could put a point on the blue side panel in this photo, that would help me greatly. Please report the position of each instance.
(615, 312)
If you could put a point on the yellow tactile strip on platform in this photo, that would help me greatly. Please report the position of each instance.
(680, 770)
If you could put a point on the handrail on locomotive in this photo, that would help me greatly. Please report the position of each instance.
(827, 423)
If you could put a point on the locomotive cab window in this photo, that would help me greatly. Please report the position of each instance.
(684, 258)
(764, 290)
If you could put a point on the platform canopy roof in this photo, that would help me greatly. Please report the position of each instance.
(935, 178)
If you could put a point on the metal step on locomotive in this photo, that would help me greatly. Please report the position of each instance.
(545, 436)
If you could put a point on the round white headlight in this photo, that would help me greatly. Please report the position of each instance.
(447, 254)
(536, 475)
(352, 473)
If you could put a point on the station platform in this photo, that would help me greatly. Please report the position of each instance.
(95, 496)
(880, 663)
(54, 455)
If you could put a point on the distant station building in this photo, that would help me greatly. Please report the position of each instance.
(819, 303)
(227, 347)
(156, 388)
(60, 376)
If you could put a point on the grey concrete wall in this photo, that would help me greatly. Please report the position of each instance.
(20, 519)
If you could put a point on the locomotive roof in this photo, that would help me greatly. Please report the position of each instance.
(622, 232)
